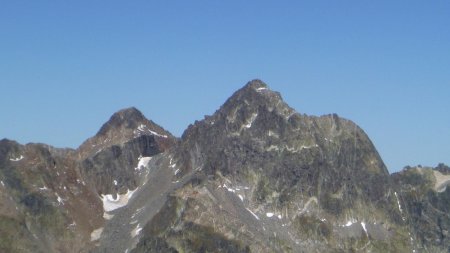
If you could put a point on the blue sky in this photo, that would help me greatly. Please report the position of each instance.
(66, 66)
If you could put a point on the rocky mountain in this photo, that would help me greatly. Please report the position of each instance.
(256, 176)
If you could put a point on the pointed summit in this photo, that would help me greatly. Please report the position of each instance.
(253, 96)
(256, 84)
(249, 106)
(129, 118)
(256, 91)
(123, 126)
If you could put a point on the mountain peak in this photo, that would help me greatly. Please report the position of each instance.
(123, 126)
(126, 118)
(256, 84)
(256, 94)
(255, 90)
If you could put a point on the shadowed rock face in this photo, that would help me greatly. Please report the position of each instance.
(256, 176)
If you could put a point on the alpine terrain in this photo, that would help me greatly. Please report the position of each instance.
(256, 176)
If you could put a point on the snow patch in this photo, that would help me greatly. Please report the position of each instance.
(172, 165)
(270, 215)
(16, 159)
(261, 89)
(95, 235)
(251, 120)
(142, 162)
(110, 203)
(228, 189)
(136, 231)
(363, 224)
(349, 223)
(398, 202)
(240, 196)
(115, 182)
(60, 200)
(157, 134)
(399, 206)
(254, 215)
(3, 184)
(41, 188)
(144, 128)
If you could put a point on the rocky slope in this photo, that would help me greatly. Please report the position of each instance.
(256, 176)
(425, 202)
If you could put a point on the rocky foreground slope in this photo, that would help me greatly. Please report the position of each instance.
(255, 176)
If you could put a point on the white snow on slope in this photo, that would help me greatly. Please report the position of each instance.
(261, 89)
(136, 231)
(144, 128)
(60, 200)
(250, 121)
(110, 203)
(254, 215)
(350, 222)
(143, 162)
(16, 159)
(363, 224)
(157, 134)
(398, 202)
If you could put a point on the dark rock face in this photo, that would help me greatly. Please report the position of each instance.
(255, 176)
(118, 163)
(320, 177)
(425, 199)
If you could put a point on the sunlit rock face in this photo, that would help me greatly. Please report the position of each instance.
(256, 176)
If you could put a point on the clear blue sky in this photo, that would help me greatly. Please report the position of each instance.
(66, 66)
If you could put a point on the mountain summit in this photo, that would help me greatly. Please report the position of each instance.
(123, 126)
(129, 118)
(256, 176)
